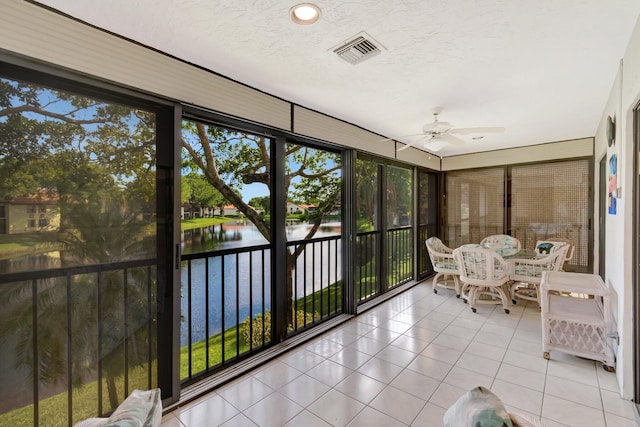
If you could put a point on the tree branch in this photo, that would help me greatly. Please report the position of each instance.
(329, 204)
(64, 118)
(213, 177)
(318, 175)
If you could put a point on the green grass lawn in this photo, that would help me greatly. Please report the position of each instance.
(28, 243)
(188, 224)
(12, 245)
(53, 411)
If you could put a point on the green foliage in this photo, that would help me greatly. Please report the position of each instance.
(230, 159)
(304, 318)
(185, 191)
(364, 225)
(73, 145)
(263, 203)
(399, 195)
(301, 216)
(200, 192)
(252, 329)
(367, 182)
(253, 333)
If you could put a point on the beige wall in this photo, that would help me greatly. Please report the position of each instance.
(535, 153)
(624, 96)
(19, 217)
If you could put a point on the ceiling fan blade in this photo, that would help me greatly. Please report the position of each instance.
(468, 131)
(453, 140)
(411, 144)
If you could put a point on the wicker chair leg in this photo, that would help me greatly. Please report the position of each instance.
(434, 285)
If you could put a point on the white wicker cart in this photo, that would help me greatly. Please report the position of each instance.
(577, 317)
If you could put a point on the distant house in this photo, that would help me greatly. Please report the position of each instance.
(228, 210)
(190, 211)
(208, 212)
(29, 214)
(195, 210)
(296, 209)
(231, 210)
(309, 208)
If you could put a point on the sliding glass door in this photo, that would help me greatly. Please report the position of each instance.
(82, 265)
(233, 211)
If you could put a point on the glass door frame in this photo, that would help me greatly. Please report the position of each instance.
(37, 72)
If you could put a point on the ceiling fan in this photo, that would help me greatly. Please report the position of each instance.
(436, 134)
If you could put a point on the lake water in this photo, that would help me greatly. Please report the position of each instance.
(251, 290)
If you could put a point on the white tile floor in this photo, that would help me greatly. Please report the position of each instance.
(405, 362)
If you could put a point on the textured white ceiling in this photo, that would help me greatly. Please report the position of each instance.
(542, 69)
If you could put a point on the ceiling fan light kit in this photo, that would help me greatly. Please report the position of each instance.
(435, 144)
(439, 134)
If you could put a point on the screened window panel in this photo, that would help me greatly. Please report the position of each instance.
(79, 276)
(552, 201)
(399, 196)
(474, 205)
(399, 234)
(369, 236)
(367, 200)
(427, 218)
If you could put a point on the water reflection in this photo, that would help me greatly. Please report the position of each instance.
(44, 261)
(221, 236)
(243, 233)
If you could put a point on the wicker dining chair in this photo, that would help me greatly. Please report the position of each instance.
(547, 246)
(526, 274)
(444, 265)
(484, 274)
(502, 241)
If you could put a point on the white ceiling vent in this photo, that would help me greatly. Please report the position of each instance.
(358, 48)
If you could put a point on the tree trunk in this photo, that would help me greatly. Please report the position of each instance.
(113, 391)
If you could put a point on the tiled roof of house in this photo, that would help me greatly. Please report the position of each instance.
(40, 197)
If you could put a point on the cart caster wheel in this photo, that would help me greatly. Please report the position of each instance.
(458, 296)
(608, 368)
(473, 309)
(435, 291)
(546, 355)
(506, 310)
(514, 301)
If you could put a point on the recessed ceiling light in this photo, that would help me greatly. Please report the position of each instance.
(304, 13)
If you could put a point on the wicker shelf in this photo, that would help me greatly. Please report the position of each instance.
(576, 316)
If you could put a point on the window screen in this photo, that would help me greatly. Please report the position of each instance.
(552, 201)
(474, 205)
